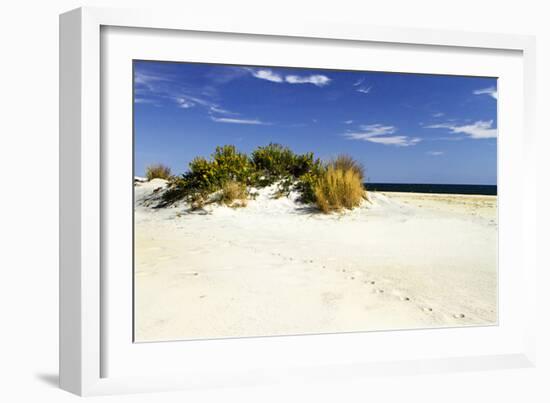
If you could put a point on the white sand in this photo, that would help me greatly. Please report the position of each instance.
(276, 267)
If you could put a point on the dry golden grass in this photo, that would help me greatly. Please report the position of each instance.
(339, 188)
(234, 194)
(347, 163)
(158, 171)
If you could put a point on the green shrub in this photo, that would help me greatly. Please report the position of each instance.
(338, 188)
(208, 176)
(231, 165)
(307, 181)
(158, 171)
(273, 161)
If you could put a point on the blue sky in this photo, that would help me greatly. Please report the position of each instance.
(404, 128)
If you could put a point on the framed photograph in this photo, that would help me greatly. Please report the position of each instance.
(245, 204)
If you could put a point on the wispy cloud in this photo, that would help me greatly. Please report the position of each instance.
(438, 114)
(152, 87)
(139, 100)
(491, 91)
(184, 103)
(435, 153)
(221, 111)
(364, 89)
(148, 79)
(478, 130)
(381, 134)
(238, 121)
(266, 74)
(348, 122)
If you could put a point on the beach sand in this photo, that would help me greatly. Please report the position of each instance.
(276, 267)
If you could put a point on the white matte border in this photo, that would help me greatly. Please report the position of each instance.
(83, 291)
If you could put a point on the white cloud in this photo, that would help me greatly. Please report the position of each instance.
(478, 130)
(492, 91)
(435, 153)
(381, 134)
(438, 114)
(267, 75)
(348, 122)
(238, 121)
(315, 79)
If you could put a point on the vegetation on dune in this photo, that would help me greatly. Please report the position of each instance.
(234, 194)
(347, 163)
(229, 174)
(158, 171)
(339, 187)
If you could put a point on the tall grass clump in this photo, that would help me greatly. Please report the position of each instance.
(340, 185)
(158, 171)
(234, 194)
(347, 163)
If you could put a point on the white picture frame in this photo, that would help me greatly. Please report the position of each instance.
(85, 344)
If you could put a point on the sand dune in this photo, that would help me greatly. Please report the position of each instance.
(277, 267)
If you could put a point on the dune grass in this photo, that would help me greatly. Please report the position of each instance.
(347, 163)
(234, 194)
(340, 186)
(158, 171)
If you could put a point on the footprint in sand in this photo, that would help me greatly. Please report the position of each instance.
(459, 316)
(380, 291)
(369, 282)
(405, 299)
(427, 309)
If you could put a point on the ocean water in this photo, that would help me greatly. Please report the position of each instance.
(433, 188)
